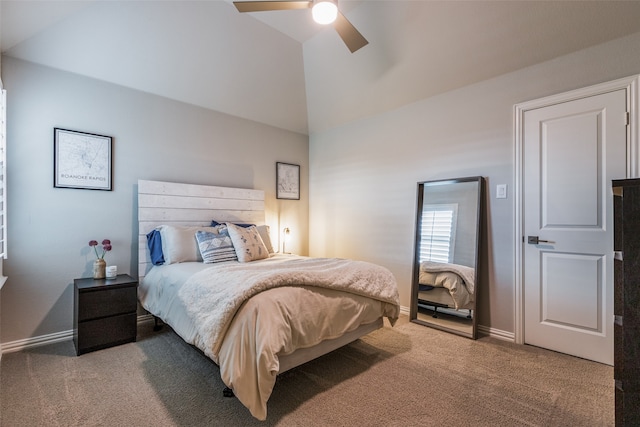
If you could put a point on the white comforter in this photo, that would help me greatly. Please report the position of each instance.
(458, 279)
(244, 316)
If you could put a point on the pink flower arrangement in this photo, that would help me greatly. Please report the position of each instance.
(106, 247)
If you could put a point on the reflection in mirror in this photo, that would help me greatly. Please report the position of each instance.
(444, 288)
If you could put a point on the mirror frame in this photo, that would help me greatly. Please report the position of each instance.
(413, 312)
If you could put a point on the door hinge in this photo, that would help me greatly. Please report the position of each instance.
(627, 119)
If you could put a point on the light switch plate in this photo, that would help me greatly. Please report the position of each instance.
(501, 191)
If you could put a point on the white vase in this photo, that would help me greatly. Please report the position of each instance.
(99, 267)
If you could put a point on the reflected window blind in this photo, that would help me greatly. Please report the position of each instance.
(3, 168)
(437, 234)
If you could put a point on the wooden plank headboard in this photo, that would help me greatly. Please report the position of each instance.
(190, 204)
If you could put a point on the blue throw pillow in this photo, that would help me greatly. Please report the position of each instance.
(154, 243)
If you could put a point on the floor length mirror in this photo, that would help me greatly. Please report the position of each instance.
(447, 243)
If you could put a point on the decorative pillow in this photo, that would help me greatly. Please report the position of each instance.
(179, 243)
(247, 243)
(154, 243)
(262, 229)
(215, 247)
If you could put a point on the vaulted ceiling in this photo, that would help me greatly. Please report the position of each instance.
(282, 69)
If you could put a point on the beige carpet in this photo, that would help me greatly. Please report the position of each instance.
(409, 375)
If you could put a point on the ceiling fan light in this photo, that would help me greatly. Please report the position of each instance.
(324, 11)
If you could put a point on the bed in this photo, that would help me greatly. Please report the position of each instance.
(446, 285)
(260, 314)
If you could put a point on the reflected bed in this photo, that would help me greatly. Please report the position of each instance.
(448, 285)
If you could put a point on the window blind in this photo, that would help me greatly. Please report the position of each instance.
(437, 234)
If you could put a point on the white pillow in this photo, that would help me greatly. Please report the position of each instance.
(179, 243)
(266, 237)
(247, 243)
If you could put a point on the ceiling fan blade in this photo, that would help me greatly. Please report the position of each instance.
(351, 37)
(263, 6)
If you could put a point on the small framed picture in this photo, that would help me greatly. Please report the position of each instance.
(287, 181)
(81, 160)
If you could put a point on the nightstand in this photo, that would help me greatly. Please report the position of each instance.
(104, 312)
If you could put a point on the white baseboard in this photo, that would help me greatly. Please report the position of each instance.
(482, 330)
(18, 345)
(38, 341)
(68, 335)
(496, 333)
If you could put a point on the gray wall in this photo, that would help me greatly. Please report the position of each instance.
(363, 175)
(153, 138)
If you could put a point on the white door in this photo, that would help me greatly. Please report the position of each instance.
(571, 152)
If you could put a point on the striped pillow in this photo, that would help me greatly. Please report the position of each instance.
(215, 247)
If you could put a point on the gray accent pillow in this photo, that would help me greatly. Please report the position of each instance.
(215, 247)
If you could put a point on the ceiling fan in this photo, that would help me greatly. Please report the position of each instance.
(323, 11)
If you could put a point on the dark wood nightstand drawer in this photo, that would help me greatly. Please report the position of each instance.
(106, 332)
(110, 302)
(104, 312)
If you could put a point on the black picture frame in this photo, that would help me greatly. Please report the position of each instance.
(287, 181)
(82, 160)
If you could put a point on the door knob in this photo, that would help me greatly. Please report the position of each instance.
(534, 240)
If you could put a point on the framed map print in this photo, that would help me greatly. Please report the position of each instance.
(81, 160)
(287, 181)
